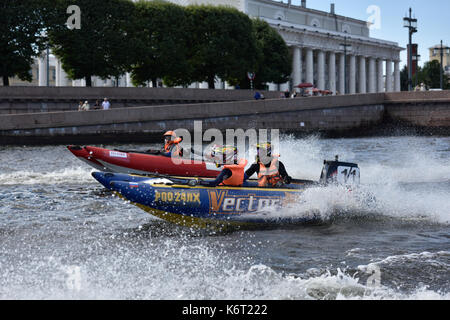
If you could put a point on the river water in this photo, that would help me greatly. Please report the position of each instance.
(63, 236)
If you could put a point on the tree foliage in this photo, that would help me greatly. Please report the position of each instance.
(429, 75)
(160, 43)
(151, 39)
(102, 46)
(274, 61)
(221, 44)
(21, 36)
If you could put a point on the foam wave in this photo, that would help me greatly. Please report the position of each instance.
(80, 175)
(382, 160)
(430, 204)
(180, 282)
(386, 165)
(322, 204)
(423, 256)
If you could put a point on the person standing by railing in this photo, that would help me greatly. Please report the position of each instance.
(106, 104)
(85, 106)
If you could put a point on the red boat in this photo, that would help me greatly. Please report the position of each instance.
(141, 162)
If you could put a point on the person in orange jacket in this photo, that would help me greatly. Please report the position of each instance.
(172, 145)
(233, 169)
(271, 172)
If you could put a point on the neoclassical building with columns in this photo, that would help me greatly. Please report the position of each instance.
(331, 51)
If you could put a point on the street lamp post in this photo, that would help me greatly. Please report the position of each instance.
(442, 67)
(416, 63)
(346, 47)
(411, 24)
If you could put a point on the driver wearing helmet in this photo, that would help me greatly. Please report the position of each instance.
(233, 169)
(172, 145)
(271, 172)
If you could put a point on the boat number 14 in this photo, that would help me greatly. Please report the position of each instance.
(348, 175)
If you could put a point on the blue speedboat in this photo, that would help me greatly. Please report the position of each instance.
(182, 201)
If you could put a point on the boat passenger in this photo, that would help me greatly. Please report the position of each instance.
(271, 172)
(233, 169)
(172, 145)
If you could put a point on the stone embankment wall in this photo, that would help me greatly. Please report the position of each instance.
(357, 114)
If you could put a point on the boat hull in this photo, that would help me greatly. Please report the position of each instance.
(83, 155)
(142, 163)
(206, 207)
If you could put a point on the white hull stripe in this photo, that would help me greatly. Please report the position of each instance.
(120, 169)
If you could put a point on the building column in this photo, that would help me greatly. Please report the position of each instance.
(219, 84)
(79, 83)
(43, 65)
(297, 66)
(389, 79)
(362, 75)
(108, 83)
(332, 72)
(397, 84)
(380, 76)
(372, 75)
(61, 76)
(123, 80)
(352, 75)
(321, 70)
(310, 65)
(128, 79)
(284, 87)
(342, 73)
(96, 81)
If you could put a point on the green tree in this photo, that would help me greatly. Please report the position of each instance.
(431, 75)
(273, 57)
(404, 79)
(221, 44)
(102, 46)
(418, 77)
(160, 43)
(22, 36)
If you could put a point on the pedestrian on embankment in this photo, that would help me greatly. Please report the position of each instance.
(106, 104)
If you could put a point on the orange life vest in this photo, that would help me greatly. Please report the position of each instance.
(171, 144)
(269, 177)
(237, 174)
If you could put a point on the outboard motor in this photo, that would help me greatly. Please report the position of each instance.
(343, 173)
